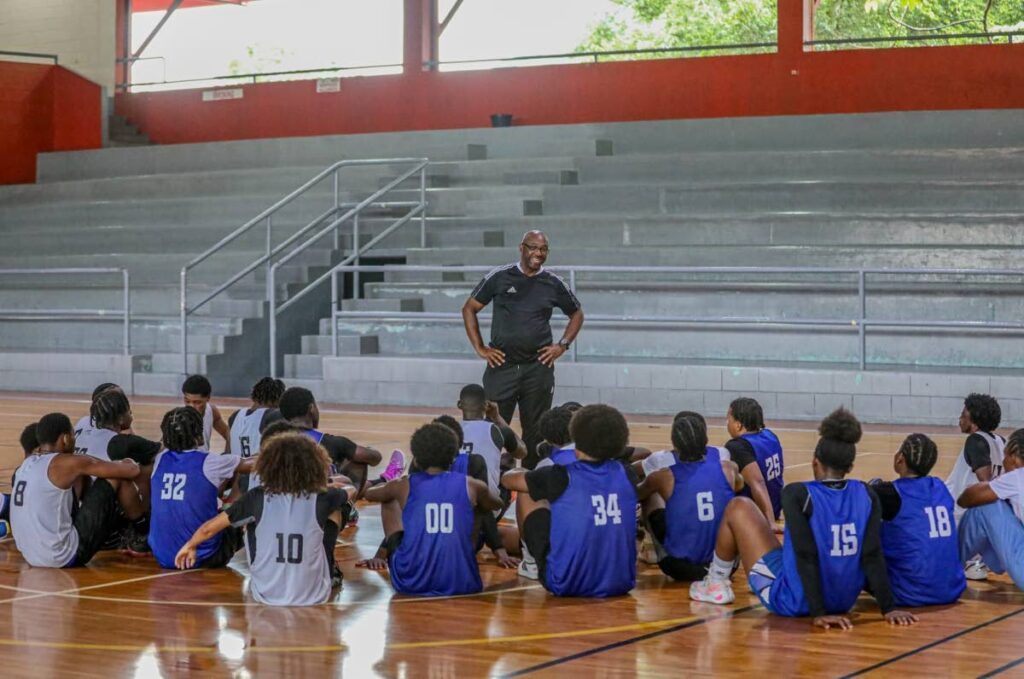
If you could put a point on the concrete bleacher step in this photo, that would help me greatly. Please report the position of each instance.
(349, 344)
(402, 304)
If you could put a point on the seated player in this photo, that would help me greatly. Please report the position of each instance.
(85, 422)
(247, 425)
(980, 460)
(486, 434)
(992, 523)
(579, 521)
(684, 504)
(196, 392)
(188, 483)
(554, 427)
(757, 452)
(919, 537)
(29, 445)
(429, 519)
(298, 406)
(48, 528)
(291, 524)
(832, 543)
(629, 455)
(663, 459)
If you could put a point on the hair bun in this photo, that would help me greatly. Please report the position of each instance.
(841, 425)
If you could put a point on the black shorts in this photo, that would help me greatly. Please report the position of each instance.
(230, 542)
(537, 536)
(677, 569)
(97, 517)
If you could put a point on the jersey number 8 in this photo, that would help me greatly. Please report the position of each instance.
(19, 494)
(174, 487)
(606, 508)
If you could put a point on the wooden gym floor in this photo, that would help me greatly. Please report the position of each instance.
(126, 617)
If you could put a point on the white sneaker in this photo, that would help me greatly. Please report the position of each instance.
(976, 570)
(528, 569)
(646, 551)
(712, 591)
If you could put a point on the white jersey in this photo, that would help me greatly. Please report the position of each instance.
(207, 428)
(479, 437)
(83, 425)
(286, 553)
(963, 476)
(246, 436)
(41, 515)
(94, 442)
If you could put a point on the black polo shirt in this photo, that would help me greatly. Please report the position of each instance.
(521, 324)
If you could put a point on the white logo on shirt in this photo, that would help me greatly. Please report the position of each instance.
(511, 291)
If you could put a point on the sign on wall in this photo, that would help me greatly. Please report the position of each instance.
(222, 94)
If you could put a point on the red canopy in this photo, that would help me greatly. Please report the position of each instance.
(162, 5)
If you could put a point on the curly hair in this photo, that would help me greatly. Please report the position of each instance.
(29, 440)
(748, 413)
(182, 429)
(453, 424)
(984, 411)
(837, 447)
(292, 464)
(433, 445)
(554, 426)
(295, 402)
(600, 431)
(920, 452)
(51, 427)
(690, 437)
(267, 391)
(109, 408)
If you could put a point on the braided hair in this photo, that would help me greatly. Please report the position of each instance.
(1015, 444)
(748, 413)
(267, 391)
(920, 452)
(182, 429)
(109, 408)
(689, 437)
(837, 448)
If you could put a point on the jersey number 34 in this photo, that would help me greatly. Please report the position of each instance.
(605, 508)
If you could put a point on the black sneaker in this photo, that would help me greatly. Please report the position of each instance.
(336, 577)
(136, 544)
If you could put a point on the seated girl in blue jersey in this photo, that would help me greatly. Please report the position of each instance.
(579, 521)
(188, 483)
(429, 519)
(554, 428)
(757, 452)
(683, 504)
(919, 536)
(291, 524)
(993, 525)
(832, 543)
(500, 539)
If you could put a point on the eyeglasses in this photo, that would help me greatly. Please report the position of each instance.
(543, 249)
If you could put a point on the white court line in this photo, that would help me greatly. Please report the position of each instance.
(38, 594)
(808, 464)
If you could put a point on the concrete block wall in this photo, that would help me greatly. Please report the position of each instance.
(63, 372)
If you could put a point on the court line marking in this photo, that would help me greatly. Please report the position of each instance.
(808, 464)
(38, 595)
(933, 644)
(1002, 668)
(627, 642)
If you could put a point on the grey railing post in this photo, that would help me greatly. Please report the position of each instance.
(184, 320)
(334, 313)
(357, 246)
(269, 238)
(861, 330)
(127, 312)
(337, 204)
(423, 205)
(572, 286)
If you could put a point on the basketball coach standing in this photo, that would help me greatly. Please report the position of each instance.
(522, 352)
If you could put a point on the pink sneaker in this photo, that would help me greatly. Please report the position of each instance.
(712, 591)
(396, 466)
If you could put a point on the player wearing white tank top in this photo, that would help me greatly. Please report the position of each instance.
(196, 391)
(485, 433)
(247, 425)
(47, 530)
(291, 524)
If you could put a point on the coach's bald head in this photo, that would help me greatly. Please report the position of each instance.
(533, 252)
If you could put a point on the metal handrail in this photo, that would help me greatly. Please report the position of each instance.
(860, 323)
(31, 55)
(353, 210)
(416, 209)
(1009, 35)
(254, 76)
(609, 53)
(123, 314)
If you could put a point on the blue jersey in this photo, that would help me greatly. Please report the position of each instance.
(593, 533)
(839, 520)
(317, 436)
(461, 463)
(437, 555)
(564, 456)
(695, 509)
(920, 545)
(768, 452)
(185, 486)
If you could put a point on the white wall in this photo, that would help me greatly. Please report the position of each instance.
(80, 32)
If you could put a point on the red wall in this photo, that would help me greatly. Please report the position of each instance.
(924, 78)
(43, 108)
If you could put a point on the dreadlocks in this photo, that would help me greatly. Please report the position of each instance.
(690, 437)
(920, 453)
(267, 392)
(109, 409)
(182, 429)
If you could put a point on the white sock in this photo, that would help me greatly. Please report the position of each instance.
(721, 569)
(527, 557)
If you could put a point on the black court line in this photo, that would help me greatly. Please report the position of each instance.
(1002, 668)
(627, 642)
(937, 642)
